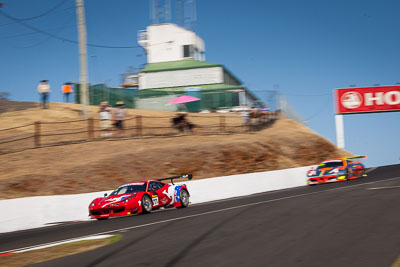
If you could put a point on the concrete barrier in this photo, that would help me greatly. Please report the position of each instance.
(245, 184)
(34, 212)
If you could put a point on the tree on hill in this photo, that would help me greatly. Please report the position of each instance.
(4, 95)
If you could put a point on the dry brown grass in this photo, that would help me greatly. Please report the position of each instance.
(51, 253)
(105, 164)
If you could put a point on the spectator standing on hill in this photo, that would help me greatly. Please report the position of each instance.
(44, 91)
(119, 115)
(265, 108)
(245, 114)
(66, 90)
(105, 118)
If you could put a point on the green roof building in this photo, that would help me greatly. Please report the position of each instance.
(176, 66)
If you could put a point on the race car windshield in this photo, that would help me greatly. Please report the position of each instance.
(128, 189)
(331, 164)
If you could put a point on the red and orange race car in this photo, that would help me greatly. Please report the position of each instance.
(140, 197)
(335, 170)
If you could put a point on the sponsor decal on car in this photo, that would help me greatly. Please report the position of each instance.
(110, 202)
(122, 198)
(178, 193)
(164, 200)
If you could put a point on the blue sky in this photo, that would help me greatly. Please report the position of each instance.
(305, 48)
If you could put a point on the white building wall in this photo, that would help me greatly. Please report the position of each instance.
(156, 103)
(164, 42)
(189, 77)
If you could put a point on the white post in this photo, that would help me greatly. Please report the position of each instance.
(242, 98)
(339, 130)
(82, 56)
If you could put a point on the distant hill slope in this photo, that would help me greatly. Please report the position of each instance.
(103, 165)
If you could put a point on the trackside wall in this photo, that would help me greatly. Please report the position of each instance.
(245, 184)
(46, 210)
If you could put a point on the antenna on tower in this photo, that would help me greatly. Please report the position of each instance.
(153, 11)
(167, 10)
(179, 6)
(189, 12)
(160, 11)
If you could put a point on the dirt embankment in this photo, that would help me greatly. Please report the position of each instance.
(103, 165)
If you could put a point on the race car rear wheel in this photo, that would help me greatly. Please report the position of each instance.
(348, 173)
(147, 204)
(184, 196)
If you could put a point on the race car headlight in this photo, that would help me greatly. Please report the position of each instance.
(92, 204)
(311, 172)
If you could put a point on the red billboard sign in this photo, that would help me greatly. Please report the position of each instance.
(367, 99)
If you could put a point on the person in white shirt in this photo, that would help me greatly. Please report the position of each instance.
(44, 91)
(105, 118)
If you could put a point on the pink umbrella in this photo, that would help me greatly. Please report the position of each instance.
(183, 99)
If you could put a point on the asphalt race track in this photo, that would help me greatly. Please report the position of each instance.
(353, 223)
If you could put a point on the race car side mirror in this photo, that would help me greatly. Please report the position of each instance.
(105, 194)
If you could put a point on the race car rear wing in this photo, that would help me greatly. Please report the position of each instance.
(188, 176)
(356, 157)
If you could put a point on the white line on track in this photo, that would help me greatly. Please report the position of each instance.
(371, 169)
(384, 187)
(61, 243)
(202, 214)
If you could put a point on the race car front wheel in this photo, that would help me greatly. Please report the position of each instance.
(184, 196)
(147, 204)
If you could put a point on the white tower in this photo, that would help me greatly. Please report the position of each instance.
(170, 42)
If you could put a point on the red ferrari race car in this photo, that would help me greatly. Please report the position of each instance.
(335, 170)
(140, 197)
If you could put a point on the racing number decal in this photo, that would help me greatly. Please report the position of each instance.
(155, 200)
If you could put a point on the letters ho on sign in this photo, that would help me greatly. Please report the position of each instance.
(367, 99)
